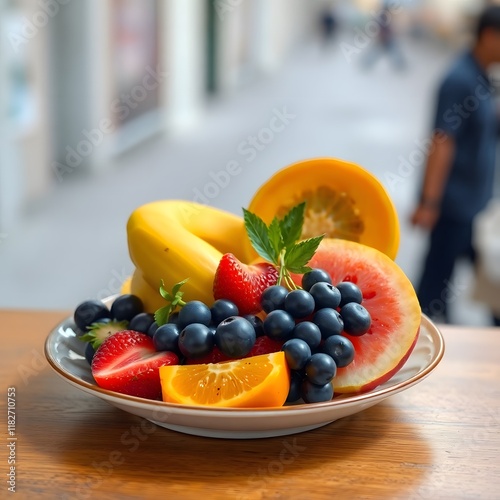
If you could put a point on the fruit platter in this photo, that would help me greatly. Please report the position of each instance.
(278, 321)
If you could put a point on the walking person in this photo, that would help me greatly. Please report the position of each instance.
(386, 42)
(460, 167)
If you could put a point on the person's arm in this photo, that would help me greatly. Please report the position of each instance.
(437, 171)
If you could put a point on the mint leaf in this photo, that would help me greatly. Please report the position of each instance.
(177, 287)
(164, 293)
(279, 243)
(296, 259)
(259, 236)
(274, 233)
(163, 314)
(174, 299)
(291, 225)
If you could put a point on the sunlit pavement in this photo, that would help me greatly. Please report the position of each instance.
(320, 103)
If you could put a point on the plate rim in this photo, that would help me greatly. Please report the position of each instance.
(340, 401)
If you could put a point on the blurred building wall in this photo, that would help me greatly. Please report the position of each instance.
(24, 108)
(93, 78)
(255, 38)
(184, 58)
(82, 81)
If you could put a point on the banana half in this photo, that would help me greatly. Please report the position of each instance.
(172, 240)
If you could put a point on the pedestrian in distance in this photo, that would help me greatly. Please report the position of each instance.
(386, 41)
(460, 167)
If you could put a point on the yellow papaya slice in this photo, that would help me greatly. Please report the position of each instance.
(343, 200)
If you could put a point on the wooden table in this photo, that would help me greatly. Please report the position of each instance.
(439, 439)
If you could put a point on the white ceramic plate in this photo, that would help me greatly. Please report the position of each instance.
(65, 353)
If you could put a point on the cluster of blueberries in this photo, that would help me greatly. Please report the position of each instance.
(313, 322)
(195, 329)
(124, 308)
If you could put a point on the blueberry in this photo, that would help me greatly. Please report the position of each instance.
(309, 332)
(152, 329)
(279, 325)
(349, 292)
(294, 392)
(273, 298)
(194, 311)
(340, 348)
(89, 352)
(357, 319)
(222, 309)
(89, 312)
(325, 295)
(312, 393)
(166, 338)
(235, 336)
(299, 303)
(315, 276)
(196, 340)
(125, 307)
(329, 322)
(174, 318)
(320, 368)
(141, 322)
(297, 353)
(257, 324)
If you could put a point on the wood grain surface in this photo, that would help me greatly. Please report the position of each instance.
(439, 439)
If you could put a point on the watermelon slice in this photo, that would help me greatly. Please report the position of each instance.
(393, 305)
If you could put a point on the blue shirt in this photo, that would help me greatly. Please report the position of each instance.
(466, 112)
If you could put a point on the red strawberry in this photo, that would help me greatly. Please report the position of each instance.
(127, 362)
(263, 345)
(243, 284)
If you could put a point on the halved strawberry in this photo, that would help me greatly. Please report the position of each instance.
(127, 362)
(243, 284)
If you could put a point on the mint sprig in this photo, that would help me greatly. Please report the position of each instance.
(174, 299)
(266, 242)
(279, 243)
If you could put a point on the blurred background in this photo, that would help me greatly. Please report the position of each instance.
(108, 104)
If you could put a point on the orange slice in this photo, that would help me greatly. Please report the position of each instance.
(255, 382)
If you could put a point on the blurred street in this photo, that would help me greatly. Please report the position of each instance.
(329, 104)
